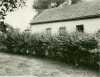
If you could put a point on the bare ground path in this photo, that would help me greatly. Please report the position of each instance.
(36, 67)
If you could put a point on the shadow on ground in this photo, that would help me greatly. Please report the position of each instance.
(11, 64)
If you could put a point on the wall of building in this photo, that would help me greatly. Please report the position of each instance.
(90, 26)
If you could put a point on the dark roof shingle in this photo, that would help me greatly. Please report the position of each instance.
(75, 11)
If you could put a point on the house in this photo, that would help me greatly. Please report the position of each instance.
(81, 17)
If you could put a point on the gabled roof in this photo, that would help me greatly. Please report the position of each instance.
(72, 12)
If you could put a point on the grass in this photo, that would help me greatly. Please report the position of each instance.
(15, 65)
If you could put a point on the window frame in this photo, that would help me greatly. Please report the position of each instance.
(48, 31)
(62, 30)
(80, 28)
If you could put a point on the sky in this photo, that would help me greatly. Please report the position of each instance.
(22, 17)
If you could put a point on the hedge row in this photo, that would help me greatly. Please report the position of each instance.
(73, 48)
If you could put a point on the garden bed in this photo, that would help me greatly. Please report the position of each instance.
(72, 48)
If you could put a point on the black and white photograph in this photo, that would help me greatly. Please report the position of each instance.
(49, 38)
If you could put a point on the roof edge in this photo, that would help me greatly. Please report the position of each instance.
(71, 19)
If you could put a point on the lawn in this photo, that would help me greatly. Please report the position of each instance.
(36, 67)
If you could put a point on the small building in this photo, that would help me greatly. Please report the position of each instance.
(81, 17)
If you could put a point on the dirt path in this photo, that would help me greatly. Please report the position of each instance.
(35, 67)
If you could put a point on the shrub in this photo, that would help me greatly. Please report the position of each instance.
(18, 42)
(2, 38)
(81, 45)
(73, 48)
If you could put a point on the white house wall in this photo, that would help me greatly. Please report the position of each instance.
(90, 26)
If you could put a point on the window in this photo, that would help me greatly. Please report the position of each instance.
(62, 30)
(48, 31)
(80, 28)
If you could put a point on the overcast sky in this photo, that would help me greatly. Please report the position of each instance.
(22, 17)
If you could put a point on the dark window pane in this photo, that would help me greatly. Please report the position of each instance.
(48, 31)
(80, 28)
(62, 30)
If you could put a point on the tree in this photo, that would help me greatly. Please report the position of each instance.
(8, 6)
(41, 5)
(76, 1)
(45, 4)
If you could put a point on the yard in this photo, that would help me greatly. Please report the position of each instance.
(36, 67)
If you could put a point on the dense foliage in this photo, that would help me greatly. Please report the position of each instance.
(41, 5)
(72, 48)
(8, 6)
